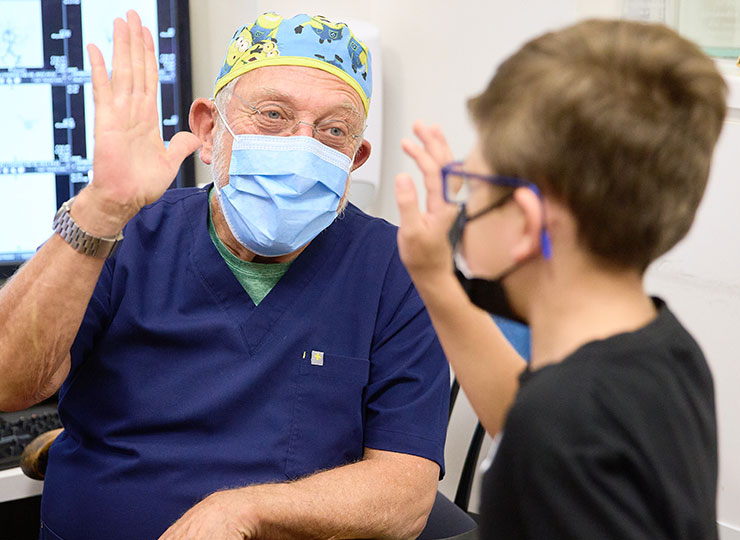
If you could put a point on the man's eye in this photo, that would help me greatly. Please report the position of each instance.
(336, 131)
(273, 115)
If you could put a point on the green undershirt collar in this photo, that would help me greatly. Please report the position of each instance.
(258, 279)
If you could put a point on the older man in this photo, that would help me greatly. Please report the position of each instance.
(245, 365)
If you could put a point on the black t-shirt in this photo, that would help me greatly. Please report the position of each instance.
(617, 441)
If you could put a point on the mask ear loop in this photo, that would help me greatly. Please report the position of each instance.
(456, 231)
(219, 191)
(455, 236)
(215, 184)
(223, 118)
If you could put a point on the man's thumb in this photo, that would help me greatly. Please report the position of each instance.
(181, 146)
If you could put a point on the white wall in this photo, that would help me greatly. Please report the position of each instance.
(434, 57)
(436, 54)
(701, 279)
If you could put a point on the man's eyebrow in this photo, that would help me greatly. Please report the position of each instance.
(272, 93)
(350, 108)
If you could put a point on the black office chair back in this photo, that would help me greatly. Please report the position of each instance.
(465, 484)
(451, 520)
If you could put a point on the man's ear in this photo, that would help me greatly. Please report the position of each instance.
(530, 241)
(202, 123)
(363, 152)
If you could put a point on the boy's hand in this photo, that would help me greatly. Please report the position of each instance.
(423, 236)
(132, 167)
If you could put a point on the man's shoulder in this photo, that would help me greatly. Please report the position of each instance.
(169, 208)
(361, 236)
(176, 196)
(359, 221)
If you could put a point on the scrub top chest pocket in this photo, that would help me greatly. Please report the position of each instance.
(328, 412)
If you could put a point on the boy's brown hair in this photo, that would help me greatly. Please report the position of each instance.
(615, 119)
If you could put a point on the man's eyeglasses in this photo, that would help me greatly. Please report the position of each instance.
(280, 120)
(458, 186)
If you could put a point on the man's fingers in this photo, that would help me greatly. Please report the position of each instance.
(122, 80)
(408, 204)
(136, 49)
(99, 76)
(151, 64)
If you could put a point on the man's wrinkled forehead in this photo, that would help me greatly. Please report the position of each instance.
(259, 87)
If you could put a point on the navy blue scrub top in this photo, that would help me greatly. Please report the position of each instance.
(181, 386)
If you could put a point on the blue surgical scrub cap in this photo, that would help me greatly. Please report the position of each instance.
(300, 41)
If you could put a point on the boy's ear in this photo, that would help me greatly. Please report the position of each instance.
(202, 124)
(529, 242)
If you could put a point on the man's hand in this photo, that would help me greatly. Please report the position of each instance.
(423, 236)
(218, 517)
(131, 166)
(385, 495)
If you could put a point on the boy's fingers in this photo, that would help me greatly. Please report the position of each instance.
(439, 148)
(408, 205)
(122, 82)
(431, 171)
(434, 142)
(419, 129)
(423, 160)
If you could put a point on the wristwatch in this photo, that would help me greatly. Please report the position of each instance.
(80, 240)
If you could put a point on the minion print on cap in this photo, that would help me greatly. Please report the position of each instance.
(300, 41)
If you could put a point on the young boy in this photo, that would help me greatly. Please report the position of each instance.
(594, 146)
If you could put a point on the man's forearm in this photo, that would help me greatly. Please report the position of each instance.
(41, 309)
(386, 495)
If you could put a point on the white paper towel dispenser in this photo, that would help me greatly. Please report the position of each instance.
(366, 179)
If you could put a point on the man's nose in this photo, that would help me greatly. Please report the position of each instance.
(303, 128)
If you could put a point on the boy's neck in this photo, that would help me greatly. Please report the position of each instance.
(585, 307)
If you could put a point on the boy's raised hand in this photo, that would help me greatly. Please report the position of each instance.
(132, 167)
(423, 236)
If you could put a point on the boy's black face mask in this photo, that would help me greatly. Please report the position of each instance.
(489, 295)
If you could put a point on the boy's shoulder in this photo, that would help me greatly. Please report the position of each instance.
(658, 370)
(621, 420)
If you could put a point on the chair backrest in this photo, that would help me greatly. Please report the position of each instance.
(465, 484)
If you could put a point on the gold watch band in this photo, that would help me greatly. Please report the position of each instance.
(80, 240)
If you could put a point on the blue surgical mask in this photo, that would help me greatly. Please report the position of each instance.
(282, 191)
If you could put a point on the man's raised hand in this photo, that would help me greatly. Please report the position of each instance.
(131, 165)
